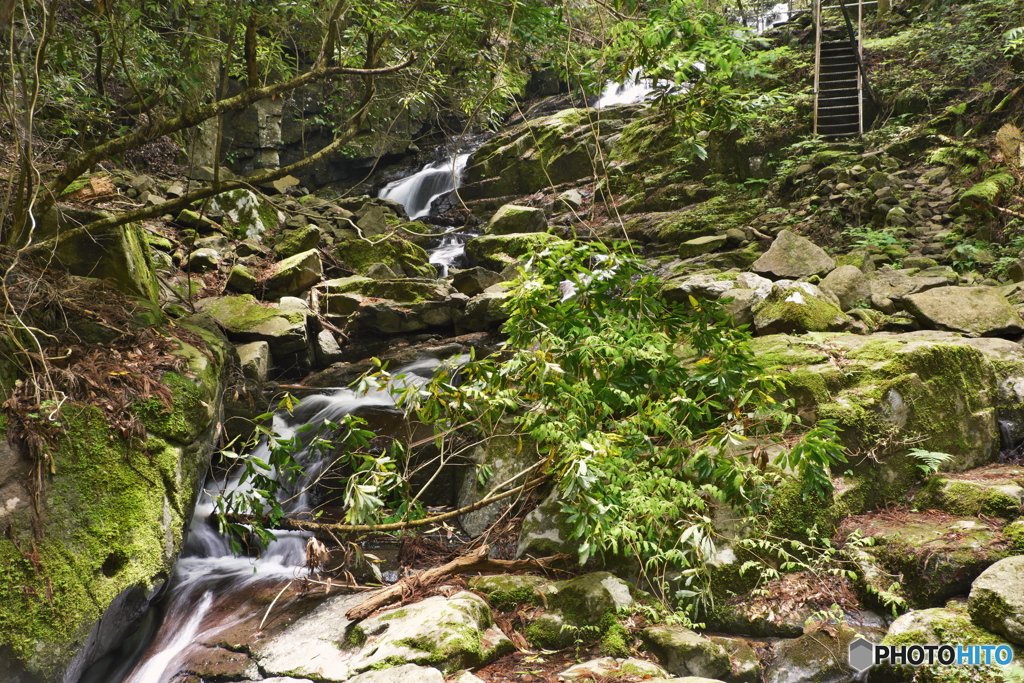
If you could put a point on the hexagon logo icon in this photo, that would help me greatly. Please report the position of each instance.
(862, 654)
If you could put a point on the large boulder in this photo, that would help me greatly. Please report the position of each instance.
(245, 214)
(512, 218)
(937, 556)
(121, 254)
(500, 463)
(791, 257)
(950, 625)
(849, 285)
(389, 306)
(404, 258)
(798, 307)
(979, 311)
(84, 559)
(996, 602)
(577, 603)
(685, 653)
(244, 319)
(497, 252)
(889, 387)
(295, 274)
(447, 633)
(545, 151)
(820, 655)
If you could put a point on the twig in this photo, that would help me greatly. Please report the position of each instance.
(476, 561)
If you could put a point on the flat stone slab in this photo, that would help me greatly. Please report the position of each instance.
(979, 311)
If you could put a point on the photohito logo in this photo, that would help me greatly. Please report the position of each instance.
(864, 654)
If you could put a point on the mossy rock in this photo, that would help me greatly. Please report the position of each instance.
(968, 497)
(296, 241)
(938, 556)
(507, 591)
(933, 627)
(405, 258)
(879, 387)
(121, 254)
(797, 309)
(111, 521)
(246, 214)
(497, 252)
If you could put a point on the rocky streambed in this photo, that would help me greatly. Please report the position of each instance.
(899, 334)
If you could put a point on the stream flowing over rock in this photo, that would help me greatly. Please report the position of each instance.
(871, 288)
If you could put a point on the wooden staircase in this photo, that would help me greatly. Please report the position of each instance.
(841, 90)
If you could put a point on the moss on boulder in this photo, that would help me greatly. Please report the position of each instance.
(110, 522)
(404, 258)
(496, 252)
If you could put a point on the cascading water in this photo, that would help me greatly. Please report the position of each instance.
(418, 191)
(211, 589)
(636, 88)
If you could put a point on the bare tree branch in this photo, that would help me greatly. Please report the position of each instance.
(195, 116)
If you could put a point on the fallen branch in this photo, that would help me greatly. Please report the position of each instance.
(307, 525)
(476, 561)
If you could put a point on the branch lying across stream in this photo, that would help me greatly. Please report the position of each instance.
(476, 561)
(309, 525)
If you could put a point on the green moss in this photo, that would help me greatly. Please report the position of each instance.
(461, 650)
(966, 498)
(792, 516)
(187, 415)
(108, 537)
(398, 254)
(781, 314)
(1014, 532)
(616, 640)
(388, 663)
(354, 638)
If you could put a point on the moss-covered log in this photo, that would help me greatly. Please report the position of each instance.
(979, 200)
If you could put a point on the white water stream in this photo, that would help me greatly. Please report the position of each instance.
(211, 589)
(418, 191)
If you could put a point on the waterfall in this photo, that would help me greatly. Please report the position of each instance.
(636, 88)
(212, 590)
(418, 191)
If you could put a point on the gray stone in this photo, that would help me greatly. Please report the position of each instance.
(798, 307)
(255, 360)
(380, 271)
(295, 274)
(202, 260)
(507, 454)
(474, 281)
(512, 218)
(485, 311)
(685, 653)
(241, 279)
(793, 256)
(495, 252)
(701, 245)
(546, 531)
(451, 633)
(979, 311)
(611, 667)
(373, 221)
(849, 285)
(328, 350)
(815, 656)
(246, 320)
(570, 199)
(996, 602)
